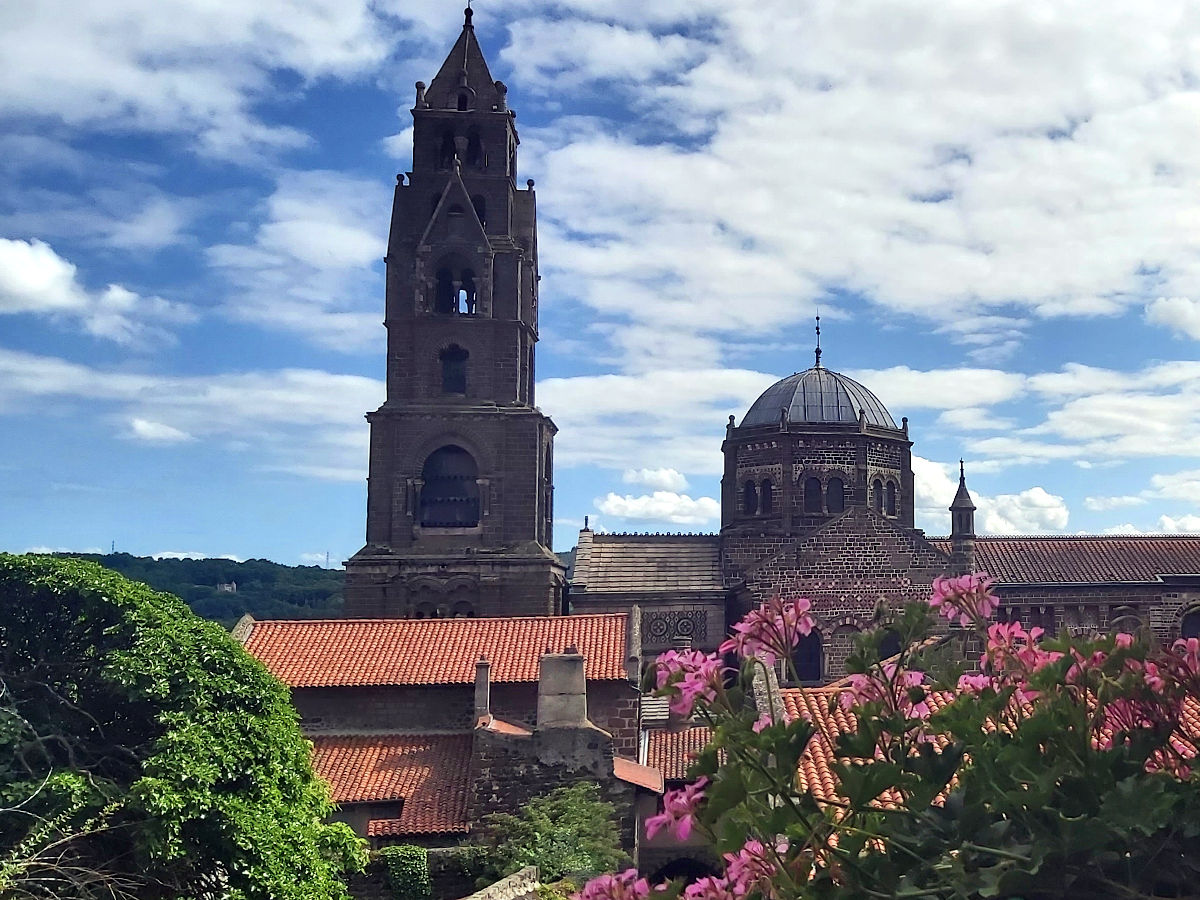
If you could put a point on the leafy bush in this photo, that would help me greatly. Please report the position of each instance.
(144, 753)
(569, 831)
(407, 871)
(1058, 768)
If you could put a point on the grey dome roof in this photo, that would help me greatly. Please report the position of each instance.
(817, 396)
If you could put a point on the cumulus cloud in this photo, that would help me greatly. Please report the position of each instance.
(663, 479)
(310, 267)
(661, 506)
(302, 421)
(1181, 314)
(34, 279)
(191, 67)
(1030, 511)
(1185, 524)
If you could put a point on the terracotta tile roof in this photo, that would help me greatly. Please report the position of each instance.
(360, 652)
(429, 772)
(1084, 559)
(646, 777)
(646, 563)
(671, 752)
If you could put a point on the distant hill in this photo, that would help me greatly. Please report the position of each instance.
(264, 589)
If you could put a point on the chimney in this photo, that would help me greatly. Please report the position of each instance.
(483, 688)
(562, 691)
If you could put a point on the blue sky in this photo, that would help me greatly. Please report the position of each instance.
(994, 206)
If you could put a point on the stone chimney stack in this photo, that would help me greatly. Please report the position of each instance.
(562, 691)
(483, 688)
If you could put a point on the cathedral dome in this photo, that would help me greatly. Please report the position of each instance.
(818, 396)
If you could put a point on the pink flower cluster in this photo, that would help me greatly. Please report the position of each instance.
(754, 866)
(901, 691)
(679, 811)
(964, 598)
(687, 676)
(622, 886)
(772, 631)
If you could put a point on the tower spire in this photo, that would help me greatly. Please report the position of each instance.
(818, 363)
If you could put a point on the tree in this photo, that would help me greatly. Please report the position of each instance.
(1056, 768)
(144, 754)
(569, 831)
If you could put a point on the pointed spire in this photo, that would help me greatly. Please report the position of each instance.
(962, 500)
(818, 362)
(464, 82)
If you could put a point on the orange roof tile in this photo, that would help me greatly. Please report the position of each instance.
(671, 752)
(429, 772)
(360, 652)
(1084, 559)
(635, 773)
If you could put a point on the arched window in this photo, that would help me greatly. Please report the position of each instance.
(463, 100)
(425, 611)
(1189, 627)
(454, 369)
(446, 152)
(1126, 619)
(465, 300)
(890, 645)
(549, 468)
(474, 149)
(749, 498)
(835, 496)
(462, 610)
(450, 496)
(891, 498)
(444, 299)
(808, 658)
(529, 373)
(766, 493)
(877, 495)
(812, 495)
(480, 205)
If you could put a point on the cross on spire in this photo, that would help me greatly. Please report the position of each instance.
(818, 363)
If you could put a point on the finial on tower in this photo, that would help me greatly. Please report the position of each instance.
(818, 364)
(467, 13)
(962, 472)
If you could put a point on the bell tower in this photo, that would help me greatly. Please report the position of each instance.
(460, 489)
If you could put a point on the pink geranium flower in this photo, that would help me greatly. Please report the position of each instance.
(679, 811)
(622, 886)
(772, 631)
(964, 598)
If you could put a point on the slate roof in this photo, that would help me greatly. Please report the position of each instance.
(671, 752)
(1088, 559)
(428, 772)
(647, 563)
(818, 396)
(367, 652)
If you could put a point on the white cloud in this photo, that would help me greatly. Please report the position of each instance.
(663, 479)
(933, 488)
(1185, 524)
(661, 506)
(1030, 511)
(34, 279)
(318, 559)
(953, 390)
(190, 67)
(301, 421)
(1127, 528)
(156, 432)
(194, 554)
(1182, 314)
(310, 266)
(1102, 504)
(1183, 485)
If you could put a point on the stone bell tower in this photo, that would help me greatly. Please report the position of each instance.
(460, 490)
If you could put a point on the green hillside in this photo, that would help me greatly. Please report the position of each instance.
(265, 589)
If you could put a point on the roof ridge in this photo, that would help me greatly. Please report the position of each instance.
(398, 620)
(1155, 535)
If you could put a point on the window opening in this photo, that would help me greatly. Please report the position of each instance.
(749, 498)
(835, 496)
(462, 102)
(891, 498)
(446, 152)
(808, 658)
(454, 369)
(877, 495)
(475, 150)
(450, 496)
(1190, 626)
(890, 645)
(812, 495)
(767, 493)
(480, 205)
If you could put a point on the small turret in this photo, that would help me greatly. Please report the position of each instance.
(962, 527)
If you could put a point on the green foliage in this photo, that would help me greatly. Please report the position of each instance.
(570, 831)
(265, 590)
(407, 871)
(144, 753)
